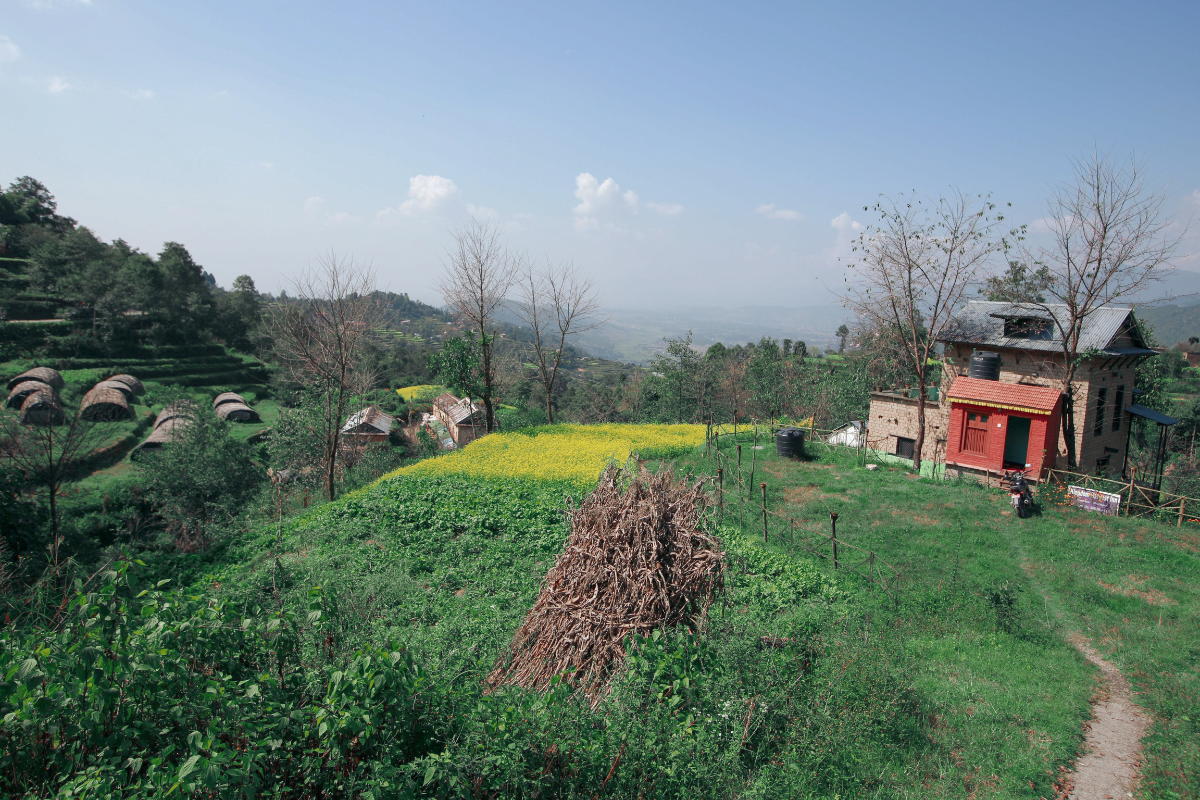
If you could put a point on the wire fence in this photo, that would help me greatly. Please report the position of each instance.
(735, 492)
(1137, 499)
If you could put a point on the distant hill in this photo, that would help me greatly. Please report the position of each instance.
(635, 336)
(1172, 323)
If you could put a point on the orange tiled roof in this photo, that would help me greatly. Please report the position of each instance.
(1017, 396)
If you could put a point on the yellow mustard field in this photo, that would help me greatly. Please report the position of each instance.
(576, 453)
(425, 391)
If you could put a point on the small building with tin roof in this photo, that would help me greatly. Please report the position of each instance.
(368, 425)
(462, 418)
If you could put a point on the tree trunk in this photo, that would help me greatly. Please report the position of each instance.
(549, 405)
(1068, 417)
(920, 443)
(490, 417)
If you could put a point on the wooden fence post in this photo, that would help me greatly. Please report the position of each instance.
(739, 448)
(720, 495)
(792, 538)
(871, 568)
(833, 523)
(1182, 500)
(764, 510)
(1130, 503)
(753, 455)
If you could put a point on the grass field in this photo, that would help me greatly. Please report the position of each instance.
(1128, 585)
(804, 682)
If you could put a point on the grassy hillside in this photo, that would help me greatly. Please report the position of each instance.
(346, 649)
(1172, 323)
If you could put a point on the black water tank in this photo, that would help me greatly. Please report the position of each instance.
(789, 442)
(984, 365)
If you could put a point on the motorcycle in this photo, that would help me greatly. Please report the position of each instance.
(1019, 491)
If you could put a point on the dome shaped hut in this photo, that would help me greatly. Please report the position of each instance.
(232, 406)
(45, 375)
(42, 408)
(104, 404)
(20, 392)
(178, 410)
(133, 383)
(123, 388)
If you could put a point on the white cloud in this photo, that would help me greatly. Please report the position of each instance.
(57, 85)
(598, 200)
(482, 212)
(1193, 198)
(848, 230)
(769, 211)
(313, 206)
(8, 50)
(55, 3)
(427, 194)
(141, 94)
(670, 209)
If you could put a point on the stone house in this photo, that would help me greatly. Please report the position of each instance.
(977, 426)
(462, 418)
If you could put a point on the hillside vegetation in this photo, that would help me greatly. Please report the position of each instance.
(343, 652)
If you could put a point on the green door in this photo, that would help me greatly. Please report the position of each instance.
(1016, 441)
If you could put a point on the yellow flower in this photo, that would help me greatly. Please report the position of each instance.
(576, 453)
(423, 392)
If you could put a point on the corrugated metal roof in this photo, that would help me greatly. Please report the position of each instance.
(370, 417)
(981, 322)
(998, 393)
(1151, 414)
(462, 410)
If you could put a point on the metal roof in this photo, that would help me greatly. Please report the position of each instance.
(371, 417)
(981, 322)
(1151, 414)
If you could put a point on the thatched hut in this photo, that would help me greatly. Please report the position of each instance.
(45, 375)
(179, 410)
(118, 386)
(232, 406)
(163, 434)
(237, 412)
(133, 383)
(104, 404)
(228, 397)
(42, 408)
(20, 393)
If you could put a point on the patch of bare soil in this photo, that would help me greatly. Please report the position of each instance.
(804, 494)
(1132, 587)
(1109, 768)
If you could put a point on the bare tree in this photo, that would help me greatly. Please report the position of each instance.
(1108, 244)
(480, 271)
(320, 339)
(912, 272)
(49, 455)
(556, 302)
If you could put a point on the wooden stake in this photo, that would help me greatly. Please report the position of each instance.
(1182, 500)
(833, 523)
(764, 510)
(720, 494)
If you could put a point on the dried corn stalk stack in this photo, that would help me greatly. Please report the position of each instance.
(635, 560)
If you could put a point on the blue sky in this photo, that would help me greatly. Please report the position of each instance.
(683, 154)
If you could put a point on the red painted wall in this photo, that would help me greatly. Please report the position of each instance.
(1043, 438)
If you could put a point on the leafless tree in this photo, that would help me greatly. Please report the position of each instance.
(480, 271)
(556, 302)
(911, 271)
(320, 339)
(1108, 243)
(49, 455)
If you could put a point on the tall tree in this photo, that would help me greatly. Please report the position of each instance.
(320, 338)
(1108, 243)
(556, 303)
(479, 272)
(912, 269)
(843, 333)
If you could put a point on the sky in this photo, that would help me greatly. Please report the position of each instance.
(685, 154)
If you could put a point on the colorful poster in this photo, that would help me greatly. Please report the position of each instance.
(1095, 500)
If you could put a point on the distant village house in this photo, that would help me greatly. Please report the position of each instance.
(368, 425)
(462, 418)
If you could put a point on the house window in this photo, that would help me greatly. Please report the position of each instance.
(975, 434)
(1028, 328)
(1118, 407)
(905, 447)
(1101, 402)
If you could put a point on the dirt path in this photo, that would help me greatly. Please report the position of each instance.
(1109, 767)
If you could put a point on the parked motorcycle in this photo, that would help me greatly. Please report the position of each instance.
(1019, 491)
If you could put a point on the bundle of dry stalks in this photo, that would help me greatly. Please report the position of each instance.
(636, 560)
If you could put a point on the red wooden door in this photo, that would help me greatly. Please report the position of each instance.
(975, 434)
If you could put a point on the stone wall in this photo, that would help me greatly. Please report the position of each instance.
(893, 416)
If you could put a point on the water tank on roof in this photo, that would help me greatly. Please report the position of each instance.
(984, 365)
(789, 442)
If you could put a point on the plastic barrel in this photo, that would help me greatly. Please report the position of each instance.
(789, 442)
(984, 366)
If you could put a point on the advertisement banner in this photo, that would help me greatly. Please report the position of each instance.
(1095, 500)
